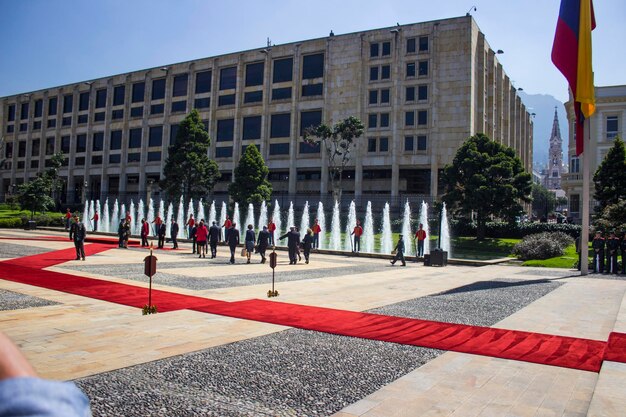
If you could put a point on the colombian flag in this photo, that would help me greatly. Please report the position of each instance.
(571, 53)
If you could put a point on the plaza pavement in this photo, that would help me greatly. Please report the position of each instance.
(76, 337)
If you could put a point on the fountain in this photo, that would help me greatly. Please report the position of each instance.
(190, 213)
(99, 211)
(424, 222)
(445, 232)
(133, 216)
(277, 219)
(321, 219)
(304, 221)
(350, 225)
(290, 217)
(335, 229)
(106, 221)
(85, 216)
(115, 218)
(170, 215)
(263, 215)
(237, 220)
(200, 215)
(406, 230)
(223, 220)
(249, 219)
(212, 213)
(141, 214)
(180, 218)
(368, 230)
(150, 218)
(386, 242)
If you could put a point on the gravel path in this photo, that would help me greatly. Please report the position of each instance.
(10, 300)
(13, 250)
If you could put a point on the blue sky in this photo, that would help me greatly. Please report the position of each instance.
(46, 43)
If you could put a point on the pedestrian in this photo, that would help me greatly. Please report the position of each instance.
(598, 253)
(316, 234)
(227, 226)
(120, 232)
(161, 232)
(271, 228)
(233, 241)
(612, 248)
(79, 233)
(420, 236)
(293, 239)
(145, 231)
(357, 232)
(190, 224)
(68, 220)
(249, 241)
(95, 219)
(263, 242)
(622, 246)
(127, 233)
(298, 246)
(174, 234)
(157, 223)
(201, 236)
(214, 238)
(192, 236)
(399, 252)
(129, 219)
(307, 244)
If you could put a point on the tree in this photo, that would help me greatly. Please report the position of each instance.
(486, 178)
(251, 184)
(610, 177)
(613, 217)
(544, 200)
(52, 173)
(188, 171)
(35, 195)
(338, 141)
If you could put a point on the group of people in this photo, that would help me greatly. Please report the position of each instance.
(606, 251)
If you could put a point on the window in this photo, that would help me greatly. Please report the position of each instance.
(136, 111)
(373, 73)
(52, 123)
(154, 156)
(157, 108)
(312, 66)
(155, 137)
(96, 160)
(228, 78)
(280, 125)
(385, 72)
(251, 128)
(410, 46)
(226, 100)
(21, 149)
(116, 140)
(281, 93)
(8, 150)
(65, 144)
(52, 106)
(253, 96)
(384, 120)
(422, 92)
(138, 92)
(279, 148)
(422, 118)
(310, 119)
(409, 118)
(224, 152)
(10, 128)
(117, 114)
(115, 158)
(38, 108)
(410, 69)
(371, 145)
(11, 113)
(34, 163)
(409, 94)
(574, 167)
(179, 106)
(408, 143)
(134, 138)
(202, 103)
(49, 146)
(383, 144)
(422, 68)
(68, 100)
(101, 98)
(158, 89)
(134, 157)
(203, 82)
(119, 91)
(374, 50)
(225, 130)
(24, 126)
(373, 97)
(574, 203)
(173, 133)
(386, 48)
(66, 121)
(98, 142)
(83, 101)
(312, 90)
(98, 117)
(384, 96)
(421, 143)
(24, 111)
(79, 161)
(612, 127)
(254, 74)
(179, 87)
(423, 44)
(283, 70)
(34, 150)
(372, 121)
(81, 143)
(306, 147)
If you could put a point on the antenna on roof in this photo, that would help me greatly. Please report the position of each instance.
(469, 11)
(269, 43)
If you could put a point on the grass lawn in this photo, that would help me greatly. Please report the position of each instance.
(567, 260)
(489, 248)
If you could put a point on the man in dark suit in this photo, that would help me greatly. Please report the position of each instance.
(263, 242)
(79, 232)
(293, 239)
(214, 238)
(174, 234)
(162, 231)
(233, 241)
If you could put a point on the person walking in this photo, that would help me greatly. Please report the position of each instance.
(95, 219)
(271, 228)
(598, 253)
(127, 233)
(120, 232)
(316, 234)
(262, 243)
(190, 224)
(161, 232)
(399, 252)
(174, 234)
(214, 238)
(307, 244)
(192, 236)
(249, 241)
(357, 232)
(79, 233)
(227, 226)
(612, 248)
(157, 223)
(233, 241)
(201, 236)
(420, 236)
(145, 231)
(293, 239)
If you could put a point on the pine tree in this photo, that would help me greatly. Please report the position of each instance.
(251, 184)
(610, 177)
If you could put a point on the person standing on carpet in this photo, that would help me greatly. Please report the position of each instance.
(95, 219)
(399, 252)
(307, 244)
(249, 241)
(174, 234)
(233, 241)
(262, 243)
(161, 232)
(214, 238)
(293, 239)
(79, 232)
(201, 236)
(145, 231)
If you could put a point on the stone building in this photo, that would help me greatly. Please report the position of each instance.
(421, 89)
(552, 179)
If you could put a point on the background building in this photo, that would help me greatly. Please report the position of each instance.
(420, 89)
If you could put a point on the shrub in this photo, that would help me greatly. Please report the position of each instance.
(462, 227)
(542, 245)
(11, 223)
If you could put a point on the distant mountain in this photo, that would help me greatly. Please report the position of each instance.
(543, 107)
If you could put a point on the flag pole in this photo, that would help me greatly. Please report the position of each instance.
(584, 237)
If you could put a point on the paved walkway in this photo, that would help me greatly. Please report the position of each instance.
(75, 337)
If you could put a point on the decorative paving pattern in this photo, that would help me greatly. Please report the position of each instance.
(10, 300)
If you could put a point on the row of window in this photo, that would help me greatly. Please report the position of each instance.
(383, 72)
(413, 45)
(280, 126)
(381, 120)
(411, 144)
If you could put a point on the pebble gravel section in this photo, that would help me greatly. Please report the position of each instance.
(12, 250)
(296, 372)
(10, 300)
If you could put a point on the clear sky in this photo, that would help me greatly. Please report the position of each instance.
(47, 43)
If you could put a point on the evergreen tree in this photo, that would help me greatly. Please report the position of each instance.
(251, 184)
(35, 194)
(486, 179)
(188, 170)
(610, 177)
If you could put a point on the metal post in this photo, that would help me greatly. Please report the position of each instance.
(584, 238)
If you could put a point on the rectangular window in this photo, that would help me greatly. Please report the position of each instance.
(115, 158)
(8, 150)
(410, 94)
(422, 118)
(68, 100)
(384, 96)
(158, 89)
(138, 92)
(38, 108)
(202, 103)
(101, 98)
(66, 121)
(386, 48)
(52, 122)
(281, 93)
(371, 145)
(373, 97)
(119, 91)
(312, 66)
(574, 167)
(134, 138)
(226, 100)
(52, 106)
(83, 101)
(253, 96)
(384, 120)
(372, 121)
(251, 128)
(11, 113)
(173, 133)
(24, 111)
(383, 145)
(385, 72)
(410, 69)
(179, 87)
(34, 163)
(224, 152)
(422, 92)
(228, 78)
(81, 143)
(154, 156)
(308, 148)
(225, 130)
(10, 128)
(35, 145)
(308, 119)
(157, 108)
(116, 140)
(373, 73)
(136, 112)
(49, 146)
(422, 68)
(409, 118)
(98, 117)
(98, 142)
(374, 50)
(421, 143)
(280, 125)
(254, 74)
(279, 148)
(612, 127)
(24, 126)
(96, 160)
(134, 157)
(179, 106)
(79, 161)
(423, 42)
(156, 136)
(283, 70)
(312, 90)
(21, 149)
(203, 82)
(410, 46)
(408, 143)
(65, 144)
(117, 114)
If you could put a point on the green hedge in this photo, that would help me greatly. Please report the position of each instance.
(507, 230)
(48, 219)
(12, 223)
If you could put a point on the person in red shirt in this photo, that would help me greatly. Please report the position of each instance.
(227, 225)
(271, 227)
(95, 219)
(190, 223)
(68, 219)
(157, 223)
(420, 236)
(316, 234)
(201, 238)
(145, 230)
(357, 232)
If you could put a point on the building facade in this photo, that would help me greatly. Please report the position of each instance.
(421, 90)
(552, 180)
(607, 123)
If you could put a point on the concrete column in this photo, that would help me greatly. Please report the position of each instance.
(297, 87)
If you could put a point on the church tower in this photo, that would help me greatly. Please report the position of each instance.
(555, 157)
